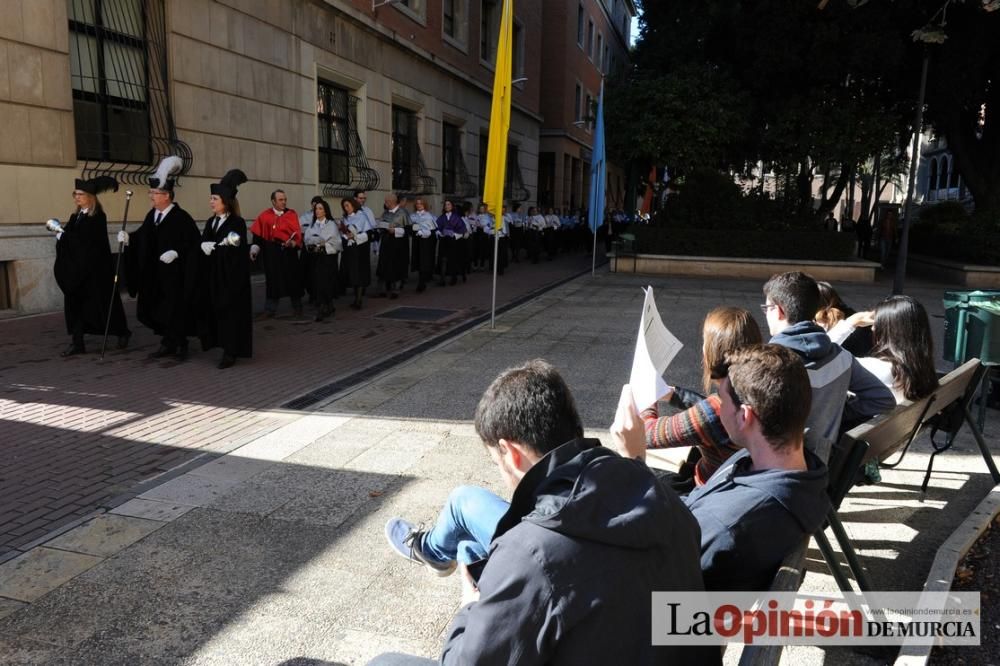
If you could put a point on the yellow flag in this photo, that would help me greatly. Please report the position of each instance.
(496, 153)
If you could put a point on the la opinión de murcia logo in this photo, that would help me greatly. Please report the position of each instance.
(787, 618)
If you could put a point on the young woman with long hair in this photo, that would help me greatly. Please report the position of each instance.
(725, 329)
(903, 353)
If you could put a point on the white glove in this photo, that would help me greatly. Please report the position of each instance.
(254, 251)
(360, 238)
(169, 256)
(416, 227)
(208, 247)
(350, 242)
(123, 237)
(58, 235)
(399, 232)
(424, 234)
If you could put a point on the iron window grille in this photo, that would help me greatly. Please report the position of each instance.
(455, 180)
(118, 72)
(513, 186)
(343, 166)
(409, 172)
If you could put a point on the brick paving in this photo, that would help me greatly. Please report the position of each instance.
(77, 433)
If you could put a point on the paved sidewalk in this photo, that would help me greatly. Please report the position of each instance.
(77, 434)
(274, 553)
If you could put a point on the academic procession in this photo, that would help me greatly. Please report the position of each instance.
(320, 148)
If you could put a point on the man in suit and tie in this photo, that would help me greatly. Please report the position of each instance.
(162, 264)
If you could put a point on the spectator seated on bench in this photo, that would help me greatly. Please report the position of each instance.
(902, 355)
(725, 330)
(574, 557)
(765, 500)
(791, 302)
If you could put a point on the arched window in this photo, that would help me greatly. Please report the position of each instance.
(932, 178)
(943, 174)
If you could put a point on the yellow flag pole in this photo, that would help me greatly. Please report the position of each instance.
(496, 153)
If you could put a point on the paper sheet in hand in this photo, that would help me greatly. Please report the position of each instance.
(655, 348)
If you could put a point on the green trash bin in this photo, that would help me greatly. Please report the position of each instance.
(972, 326)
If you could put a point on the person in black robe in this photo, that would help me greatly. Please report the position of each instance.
(394, 247)
(84, 270)
(227, 308)
(161, 264)
(355, 263)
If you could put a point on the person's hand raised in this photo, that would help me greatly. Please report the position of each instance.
(628, 435)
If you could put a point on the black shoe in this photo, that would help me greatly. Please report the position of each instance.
(226, 362)
(123, 340)
(356, 305)
(464, 279)
(453, 281)
(394, 295)
(441, 282)
(163, 352)
(181, 354)
(73, 350)
(421, 288)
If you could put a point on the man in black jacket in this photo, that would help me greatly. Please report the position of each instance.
(574, 557)
(161, 262)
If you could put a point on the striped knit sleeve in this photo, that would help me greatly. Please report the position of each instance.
(698, 425)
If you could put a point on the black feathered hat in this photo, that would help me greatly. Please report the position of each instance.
(227, 187)
(166, 174)
(97, 185)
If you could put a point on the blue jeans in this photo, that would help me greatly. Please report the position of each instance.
(465, 526)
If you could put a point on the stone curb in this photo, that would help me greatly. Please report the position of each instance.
(946, 561)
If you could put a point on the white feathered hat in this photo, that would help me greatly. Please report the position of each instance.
(166, 174)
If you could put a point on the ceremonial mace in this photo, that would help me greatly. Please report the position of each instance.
(118, 268)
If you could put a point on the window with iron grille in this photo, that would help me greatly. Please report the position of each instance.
(404, 140)
(109, 73)
(484, 146)
(451, 146)
(333, 120)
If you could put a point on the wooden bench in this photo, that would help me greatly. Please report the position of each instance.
(889, 434)
(787, 579)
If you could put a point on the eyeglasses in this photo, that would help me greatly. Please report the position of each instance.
(767, 306)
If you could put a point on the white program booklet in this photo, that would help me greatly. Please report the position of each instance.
(655, 348)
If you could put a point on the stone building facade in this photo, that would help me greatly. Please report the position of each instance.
(310, 96)
(584, 42)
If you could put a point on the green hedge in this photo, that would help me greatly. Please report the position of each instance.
(815, 245)
(970, 246)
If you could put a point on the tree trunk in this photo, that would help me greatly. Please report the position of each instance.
(978, 160)
(827, 204)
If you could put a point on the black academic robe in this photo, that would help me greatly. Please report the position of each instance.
(85, 273)
(165, 292)
(226, 312)
(283, 269)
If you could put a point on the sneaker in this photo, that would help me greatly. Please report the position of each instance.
(407, 540)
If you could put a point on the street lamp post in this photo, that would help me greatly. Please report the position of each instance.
(904, 240)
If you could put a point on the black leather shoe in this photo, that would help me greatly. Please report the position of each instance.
(73, 350)
(226, 362)
(181, 354)
(162, 352)
(123, 340)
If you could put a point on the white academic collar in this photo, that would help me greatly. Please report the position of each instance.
(222, 218)
(393, 210)
(84, 211)
(325, 219)
(163, 213)
(277, 212)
